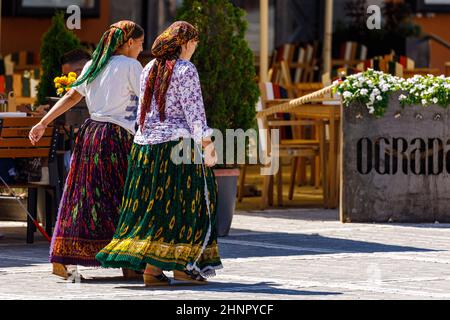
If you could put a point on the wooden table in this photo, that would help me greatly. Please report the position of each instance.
(331, 114)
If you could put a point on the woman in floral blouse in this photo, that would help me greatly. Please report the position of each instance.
(168, 208)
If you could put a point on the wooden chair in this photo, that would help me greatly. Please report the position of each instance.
(302, 63)
(14, 143)
(288, 146)
(351, 54)
(296, 90)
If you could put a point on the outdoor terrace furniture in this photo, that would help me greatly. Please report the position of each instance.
(14, 143)
(20, 75)
(301, 60)
(351, 54)
(288, 147)
(325, 110)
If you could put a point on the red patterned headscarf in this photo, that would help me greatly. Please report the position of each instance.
(117, 35)
(166, 49)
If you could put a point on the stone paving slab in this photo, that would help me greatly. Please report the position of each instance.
(276, 254)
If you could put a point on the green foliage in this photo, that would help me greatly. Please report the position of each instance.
(225, 63)
(57, 41)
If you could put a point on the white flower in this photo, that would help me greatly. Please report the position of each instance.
(424, 101)
(385, 88)
(347, 94)
(402, 97)
(364, 92)
(371, 110)
(435, 100)
(379, 98)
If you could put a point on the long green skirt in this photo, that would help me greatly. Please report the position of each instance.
(164, 218)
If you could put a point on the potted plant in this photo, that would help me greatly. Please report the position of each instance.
(226, 67)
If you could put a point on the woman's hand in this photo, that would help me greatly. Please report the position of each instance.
(210, 155)
(65, 103)
(36, 133)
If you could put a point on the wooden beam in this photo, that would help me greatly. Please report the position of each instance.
(327, 38)
(264, 41)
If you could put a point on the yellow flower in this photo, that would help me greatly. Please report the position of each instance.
(72, 80)
(57, 79)
(63, 81)
(72, 75)
(60, 91)
(57, 85)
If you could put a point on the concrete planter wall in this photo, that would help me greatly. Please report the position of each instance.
(396, 168)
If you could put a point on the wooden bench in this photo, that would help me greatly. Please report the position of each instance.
(14, 143)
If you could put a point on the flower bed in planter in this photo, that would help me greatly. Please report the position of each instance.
(396, 149)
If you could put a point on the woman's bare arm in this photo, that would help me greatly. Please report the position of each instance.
(64, 104)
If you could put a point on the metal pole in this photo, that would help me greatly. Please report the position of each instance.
(264, 41)
(327, 38)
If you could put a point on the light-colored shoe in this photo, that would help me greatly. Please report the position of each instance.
(189, 277)
(151, 280)
(60, 270)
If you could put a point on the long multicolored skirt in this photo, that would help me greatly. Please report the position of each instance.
(90, 205)
(165, 220)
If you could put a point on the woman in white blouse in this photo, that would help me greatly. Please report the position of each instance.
(89, 208)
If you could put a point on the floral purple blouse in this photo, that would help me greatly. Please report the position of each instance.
(185, 112)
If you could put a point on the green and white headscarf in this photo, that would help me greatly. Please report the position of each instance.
(117, 35)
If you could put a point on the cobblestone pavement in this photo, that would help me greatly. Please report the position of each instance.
(275, 254)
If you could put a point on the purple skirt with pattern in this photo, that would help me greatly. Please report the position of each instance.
(90, 205)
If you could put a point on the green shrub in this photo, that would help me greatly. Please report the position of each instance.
(57, 41)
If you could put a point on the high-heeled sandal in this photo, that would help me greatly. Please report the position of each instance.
(151, 280)
(189, 277)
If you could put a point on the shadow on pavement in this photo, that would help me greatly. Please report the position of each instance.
(261, 288)
(246, 243)
(240, 243)
(306, 214)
